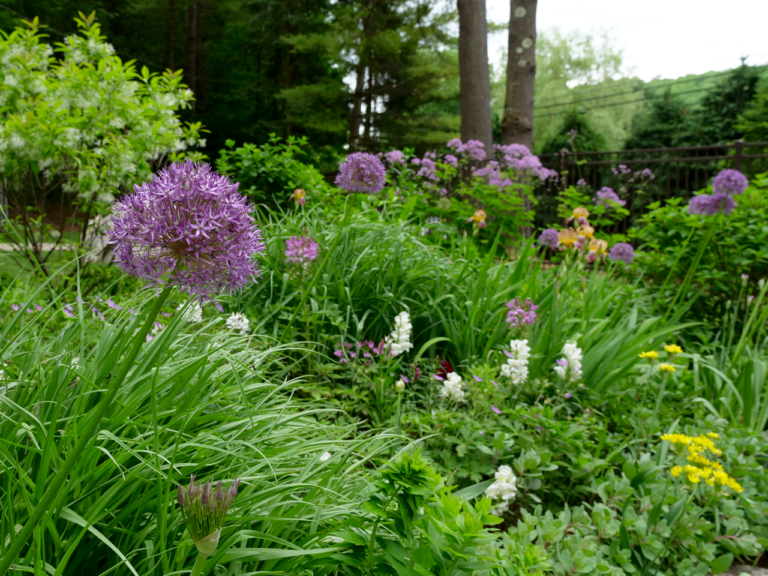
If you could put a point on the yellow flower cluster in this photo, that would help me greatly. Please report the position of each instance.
(664, 367)
(652, 355)
(673, 349)
(702, 468)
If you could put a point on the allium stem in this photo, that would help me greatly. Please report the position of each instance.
(197, 569)
(87, 433)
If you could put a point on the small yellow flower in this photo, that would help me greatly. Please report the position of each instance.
(580, 212)
(599, 246)
(713, 435)
(676, 471)
(567, 237)
(650, 355)
(664, 367)
(673, 349)
(586, 230)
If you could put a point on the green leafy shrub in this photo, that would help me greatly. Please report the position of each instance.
(669, 235)
(270, 173)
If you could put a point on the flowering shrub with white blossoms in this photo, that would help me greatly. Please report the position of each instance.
(238, 322)
(504, 488)
(400, 339)
(453, 388)
(193, 314)
(569, 368)
(516, 367)
(84, 123)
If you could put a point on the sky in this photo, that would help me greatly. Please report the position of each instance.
(660, 38)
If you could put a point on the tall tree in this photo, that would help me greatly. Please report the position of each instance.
(475, 76)
(517, 122)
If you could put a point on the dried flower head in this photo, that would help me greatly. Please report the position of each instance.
(204, 509)
(187, 227)
(361, 172)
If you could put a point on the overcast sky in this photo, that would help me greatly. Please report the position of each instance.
(660, 38)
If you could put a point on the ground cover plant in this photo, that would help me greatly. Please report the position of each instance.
(386, 372)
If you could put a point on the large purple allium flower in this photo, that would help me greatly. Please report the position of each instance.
(549, 238)
(707, 205)
(361, 172)
(622, 252)
(187, 227)
(730, 182)
(300, 250)
(521, 312)
(606, 195)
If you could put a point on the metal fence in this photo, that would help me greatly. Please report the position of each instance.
(678, 172)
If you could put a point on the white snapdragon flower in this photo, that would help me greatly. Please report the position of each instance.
(516, 367)
(453, 388)
(400, 339)
(569, 368)
(504, 488)
(238, 322)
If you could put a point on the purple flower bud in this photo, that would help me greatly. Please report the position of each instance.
(495, 409)
(568, 395)
(180, 495)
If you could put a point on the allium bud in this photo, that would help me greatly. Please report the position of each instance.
(204, 511)
(399, 386)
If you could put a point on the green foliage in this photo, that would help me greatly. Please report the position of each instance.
(575, 134)
(669, 235)
(269, 174)
(664, 123)
(78, 130)
(718, 113)
(754, 121)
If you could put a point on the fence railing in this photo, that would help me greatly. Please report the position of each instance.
(677, 172)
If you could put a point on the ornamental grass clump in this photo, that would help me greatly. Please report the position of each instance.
(190, 228)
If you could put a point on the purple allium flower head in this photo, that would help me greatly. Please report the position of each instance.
(705, 205)
(187, 227)
(521, 312)
(300, 250)
(730, 182)
(451, 159)
(622, 252)
(495, 409)
(361, 172)
(395, 157)
(606, 195)
(549, 238)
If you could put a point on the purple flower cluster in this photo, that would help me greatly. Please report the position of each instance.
(549, 238)
(521, 312)
(473, 149)
(395, 157)
(300, 250)
(428, 169)
(730, 182)
(621, 169)
(367, 349)
(622, 252)
(361, 172)
(709, 205)
(493, 176)
(518, 157)
(606, 195)
(451, 159)
(188, 227)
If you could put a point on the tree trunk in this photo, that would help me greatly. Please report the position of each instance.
(517, 123)
(475, 82)
(191, 74)
(169, 61)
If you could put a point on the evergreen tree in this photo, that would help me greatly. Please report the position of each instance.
(576, 134)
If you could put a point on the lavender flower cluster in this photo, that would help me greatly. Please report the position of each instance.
(606, 195)
(187, 227)
(521, 312)
(365, 348)
(301, 250)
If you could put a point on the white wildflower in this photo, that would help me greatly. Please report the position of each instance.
(325, 456)
(516, 367)
(453, 388)
(194, 313)
(504, 488)
(238, 323)
(400, 340)
(569, 368)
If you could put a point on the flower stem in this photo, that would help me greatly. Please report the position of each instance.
(87, 433)
(197, 569)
